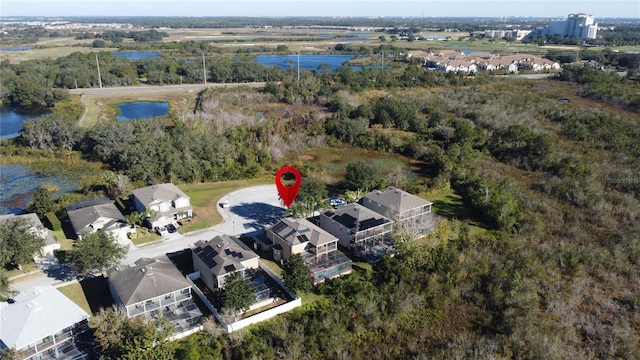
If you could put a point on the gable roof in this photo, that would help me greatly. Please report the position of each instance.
(35, 314)
(83, 217)
(298, 231)
(357, 217)
(159, 193)
(396, 199)
(33, 219)
(223, 254)
(145, 279)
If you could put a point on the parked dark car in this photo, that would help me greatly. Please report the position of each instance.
(171, 228)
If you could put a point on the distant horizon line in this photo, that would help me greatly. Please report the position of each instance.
(301, 17)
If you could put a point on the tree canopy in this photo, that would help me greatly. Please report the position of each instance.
(238, 295)
(296, 275)
(19, 241)
(361, 176)
(97, 250)
(119, 337)
(6, 292)
(42, 202)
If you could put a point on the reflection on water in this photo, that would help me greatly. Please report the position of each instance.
(142, 110)
(18, 183)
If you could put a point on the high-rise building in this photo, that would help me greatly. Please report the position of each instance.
(576, 25)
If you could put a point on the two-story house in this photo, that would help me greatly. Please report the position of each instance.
(42, 323)
(318, 248)
(409, 212)
(167, 203)
(153, 288)
(222, 256)
(90, 215)
(364, 231)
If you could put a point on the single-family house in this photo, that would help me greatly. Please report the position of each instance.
(409, 212)
(364, 231)
(222, 256)
(91, 215)
(42, 323)
(167, 203)
(152, 288)
(318, 248)
(50, 243)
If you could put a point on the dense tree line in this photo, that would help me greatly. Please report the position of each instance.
(42, 83)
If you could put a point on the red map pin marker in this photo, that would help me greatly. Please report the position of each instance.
(288, 193)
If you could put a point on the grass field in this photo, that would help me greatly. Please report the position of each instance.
(52, 52)
(328, 163)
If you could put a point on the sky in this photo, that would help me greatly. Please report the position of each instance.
(347, 8)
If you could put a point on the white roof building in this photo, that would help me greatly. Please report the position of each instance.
(42, 320)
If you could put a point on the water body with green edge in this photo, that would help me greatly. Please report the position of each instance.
(18, 183)
(142, 110)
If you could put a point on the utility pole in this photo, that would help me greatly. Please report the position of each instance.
(99, 76)
(204, 70)
(382, 60)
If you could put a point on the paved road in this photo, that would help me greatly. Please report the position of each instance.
(250, 210)
(122, 90)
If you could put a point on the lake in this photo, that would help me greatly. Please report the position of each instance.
(307, 62)
(11, 122)
(142, 110)
(18, 184)
(136, 55)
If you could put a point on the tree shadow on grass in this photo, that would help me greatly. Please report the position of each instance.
(96, 291)
(260, 214)
(453, 207)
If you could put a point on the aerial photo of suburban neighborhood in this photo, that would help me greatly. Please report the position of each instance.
(319, 180)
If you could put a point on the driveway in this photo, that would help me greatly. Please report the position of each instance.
(250, 210)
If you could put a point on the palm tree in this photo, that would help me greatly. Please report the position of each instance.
(134, 219)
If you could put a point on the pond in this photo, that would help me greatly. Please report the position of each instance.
(11, 122)
(18, 184)
(136, 55)
(142, 110)
(17, 48)
(307, 62)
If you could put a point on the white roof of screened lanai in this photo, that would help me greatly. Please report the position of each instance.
(35, 314)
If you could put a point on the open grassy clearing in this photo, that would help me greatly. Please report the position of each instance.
(328, 164)
(52, 52)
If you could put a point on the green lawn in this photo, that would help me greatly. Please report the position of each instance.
(76, 294)
(450, 205)
(27, 269)
(309, 297)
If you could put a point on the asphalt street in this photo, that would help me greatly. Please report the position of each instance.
(250, 210)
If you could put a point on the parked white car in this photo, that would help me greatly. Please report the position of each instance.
(334, 201)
